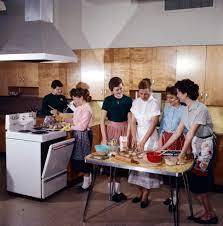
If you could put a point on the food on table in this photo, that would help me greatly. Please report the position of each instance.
(125, 159)
(66, 127)
(154, 157)
(170, 160)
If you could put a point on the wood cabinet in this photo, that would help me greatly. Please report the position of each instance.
(140, 65)
(191, 62)
(73, 71)
(48, 73)
(214, 79)
(4, 80)
(92, 71)
(163, 67)
(22, 74)
(218, 164)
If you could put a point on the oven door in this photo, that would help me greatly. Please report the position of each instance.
(54, 175)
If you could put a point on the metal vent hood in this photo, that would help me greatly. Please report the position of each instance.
(37, 39)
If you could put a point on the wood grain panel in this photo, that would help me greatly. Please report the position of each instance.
(140, 65)
(121, 66)
(28, 75)
(108, 61)
(73, 72)
(214, 78)
(163, 67)
(92, 71)
(47, 73)
(4, 80)
(191, 64)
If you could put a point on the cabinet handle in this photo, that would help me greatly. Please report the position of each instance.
(105, 91)
(206, 96)
(202, 95)
(101, 91)
(153, 81)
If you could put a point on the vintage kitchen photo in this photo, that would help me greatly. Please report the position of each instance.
(111, 112)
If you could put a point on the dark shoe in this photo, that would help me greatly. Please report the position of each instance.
(172, 208)
(136, 199)
(144, 204)
(116, 198)
(80, 189)
(122, 196)
(167, 202)
(192, 218)
(213, 220)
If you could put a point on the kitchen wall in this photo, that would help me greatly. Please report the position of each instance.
(126, 23)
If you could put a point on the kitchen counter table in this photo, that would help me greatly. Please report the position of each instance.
(173, 171)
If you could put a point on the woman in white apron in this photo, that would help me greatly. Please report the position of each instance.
(145, 116)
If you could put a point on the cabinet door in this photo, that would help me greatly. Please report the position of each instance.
(140, 65)
(12, 71)
(28, 75)
(73, 73)
(108, 62)
(92, 71)
(121, 66)
(47, 73)
(214, 78)
(163, 67)
(4, 80)
(191, 64)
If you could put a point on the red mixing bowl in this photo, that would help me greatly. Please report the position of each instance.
(154, 157)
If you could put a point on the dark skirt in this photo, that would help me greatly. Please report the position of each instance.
(82, 148)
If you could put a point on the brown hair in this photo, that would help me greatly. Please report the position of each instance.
(80, 92)
(172, 90)
(114, 82)
(56, 83)
(82, 85)
(144, 84)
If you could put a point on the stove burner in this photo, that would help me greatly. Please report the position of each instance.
(39, 132)
(24, 131)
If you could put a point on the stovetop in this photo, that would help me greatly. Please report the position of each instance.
(34, 135)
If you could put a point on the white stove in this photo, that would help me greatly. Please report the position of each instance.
(36, 160)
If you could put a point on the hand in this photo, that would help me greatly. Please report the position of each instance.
(181, 156)
(140, 145)
(104, 141)
(54, 112)
(134, 142)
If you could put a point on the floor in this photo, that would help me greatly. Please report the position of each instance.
(66, 207)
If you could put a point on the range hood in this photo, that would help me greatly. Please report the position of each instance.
(37, 39)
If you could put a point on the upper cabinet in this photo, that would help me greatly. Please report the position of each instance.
(163, 72)
(22, 74)
(191, 62)
(92, 71)
(213, 83)
(73, 71)
(140, 65)
(48, 73)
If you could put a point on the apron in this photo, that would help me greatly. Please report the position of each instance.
(146, 180)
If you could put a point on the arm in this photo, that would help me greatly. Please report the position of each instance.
(83, 122)
(174, 137)
(129, 125)
(187, 143)
(155, 120)
(102, 126)
(133, 130)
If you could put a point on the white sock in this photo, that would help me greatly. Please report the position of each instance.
(112, 188)
(117, 188)
(174, 197)
(86, 182)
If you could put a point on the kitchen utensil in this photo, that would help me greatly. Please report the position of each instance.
(154, 157)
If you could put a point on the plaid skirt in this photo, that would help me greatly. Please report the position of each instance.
(82, 144)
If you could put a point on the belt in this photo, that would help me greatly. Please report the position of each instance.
(204, 137)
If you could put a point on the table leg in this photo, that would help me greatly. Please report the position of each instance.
(189, 198)
(89, 193)
(111, 185)
(171, 192)
(177, 202)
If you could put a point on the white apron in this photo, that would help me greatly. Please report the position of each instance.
(143, 112)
